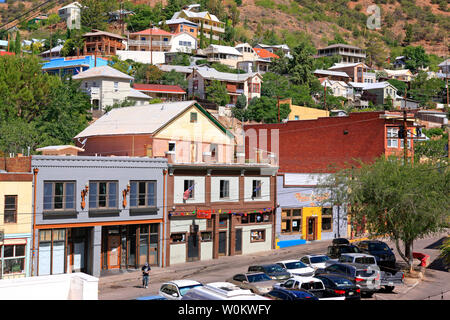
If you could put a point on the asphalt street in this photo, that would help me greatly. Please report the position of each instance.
(128, 285)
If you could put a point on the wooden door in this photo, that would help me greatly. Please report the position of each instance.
(238, 242)
(222, 243)
(311, 228)
(113, 252)
(193, 250)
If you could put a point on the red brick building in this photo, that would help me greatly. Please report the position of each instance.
(312, 146)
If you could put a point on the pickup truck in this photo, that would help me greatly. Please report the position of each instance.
(388, 280)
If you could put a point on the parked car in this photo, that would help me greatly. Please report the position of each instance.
(175, 290)
(366, 277)
(257, 282)
(388, 280)
(338, 286)
(311, 284)
(335, 251)
(291, 295)
(274, 271)
(383, 254)
(155, 297)
(221, 291)
(315, 260)
(296, 268)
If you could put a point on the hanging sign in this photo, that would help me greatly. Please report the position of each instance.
(204, 214)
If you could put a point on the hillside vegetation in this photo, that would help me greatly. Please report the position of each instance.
(322, 22)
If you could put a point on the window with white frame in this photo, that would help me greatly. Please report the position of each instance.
(392, 137)
(224, 189)
(12, 259)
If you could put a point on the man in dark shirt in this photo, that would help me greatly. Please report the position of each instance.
(145, 275)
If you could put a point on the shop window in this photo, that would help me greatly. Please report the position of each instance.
(255, 218)
(178, 238)
(224, 189)
(142, 194)
(291, 221)
(257, 235)
(206, 236)
(10, 210)
(327, 220)
(103, 195)
(59, 195)
(52, 251)
(13, 260)
(223, 222)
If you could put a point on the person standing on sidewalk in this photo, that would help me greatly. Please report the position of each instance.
(145, 275)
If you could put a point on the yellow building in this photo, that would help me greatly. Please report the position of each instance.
(15, 219)
(304, 113)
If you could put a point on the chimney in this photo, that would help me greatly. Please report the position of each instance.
(240, 157)
(170, 155)
(207, 157)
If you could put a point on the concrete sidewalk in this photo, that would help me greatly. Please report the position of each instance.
(114, 277)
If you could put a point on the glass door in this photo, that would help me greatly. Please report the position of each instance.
(143, 244)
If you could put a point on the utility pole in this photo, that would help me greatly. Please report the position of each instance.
(325, 95)
(151, 43)
(446, 80)
(278, 103)
(405, 133)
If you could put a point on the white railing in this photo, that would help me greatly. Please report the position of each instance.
(147, 43)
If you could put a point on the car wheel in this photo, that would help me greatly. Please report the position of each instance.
(389, 288)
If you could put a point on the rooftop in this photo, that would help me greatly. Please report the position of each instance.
(96, 32)
(158, 88)
(154, 31)
(102, 72)
(263, 53)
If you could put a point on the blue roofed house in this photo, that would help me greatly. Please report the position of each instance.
(72, 65)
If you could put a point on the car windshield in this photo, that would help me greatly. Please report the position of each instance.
(378, 247)
(365, 260)
(295, 265)
(349, 249)
(319, 259)
(257, 277)
(273, 268)
(183, 290)
(341, 282)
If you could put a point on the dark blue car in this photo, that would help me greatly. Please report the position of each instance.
(290, 295)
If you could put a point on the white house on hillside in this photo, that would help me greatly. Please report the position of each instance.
(71, 14)
(107, 86)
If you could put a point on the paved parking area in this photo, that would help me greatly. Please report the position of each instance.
(124, 286)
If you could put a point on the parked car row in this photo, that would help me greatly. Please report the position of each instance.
(346, 272)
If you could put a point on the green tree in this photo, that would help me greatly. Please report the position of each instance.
(174, 78)
(426, 90)
(18, 44)
(241, 101)
(265, 110)
(94, 13)
(147, 73)
(37, 109)
(415, 58)
(403, 202)
(301, 64)
(217, 92)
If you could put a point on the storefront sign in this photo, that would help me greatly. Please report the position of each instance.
(204, 214)
(312, 198)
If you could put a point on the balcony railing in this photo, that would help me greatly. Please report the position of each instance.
(147, 43)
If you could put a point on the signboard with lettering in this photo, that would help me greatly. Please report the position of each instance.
(204, 214)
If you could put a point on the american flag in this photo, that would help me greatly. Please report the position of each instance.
(187, 193)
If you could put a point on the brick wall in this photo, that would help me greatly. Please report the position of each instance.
(312, 146)
(17, 164)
